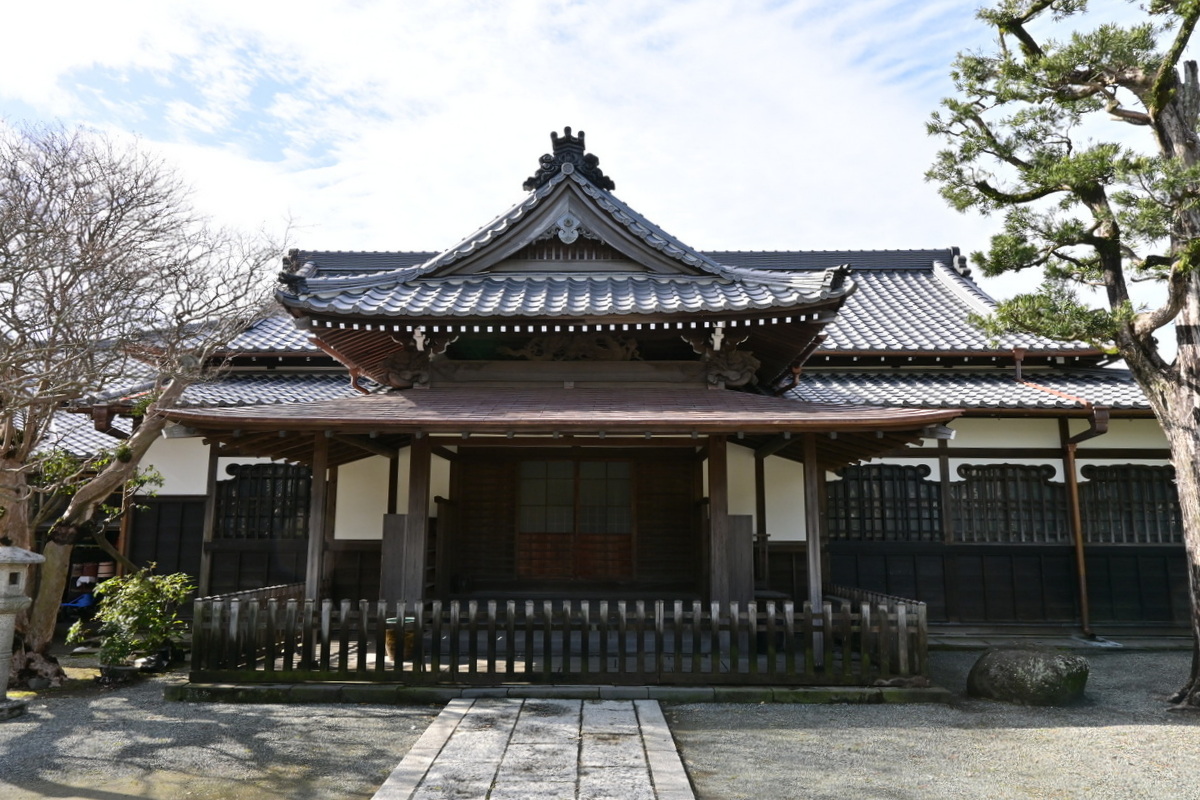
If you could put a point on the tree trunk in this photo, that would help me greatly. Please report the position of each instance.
(14, 500)
(39, 633)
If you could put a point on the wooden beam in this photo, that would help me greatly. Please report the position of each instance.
(316, 519)
(774, 446)
(364, 443)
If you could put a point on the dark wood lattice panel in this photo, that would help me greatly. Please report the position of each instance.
(884, 502)
(484, 546)
(668, 545)
(1130, 504)
(263, 501)
(1005, 503)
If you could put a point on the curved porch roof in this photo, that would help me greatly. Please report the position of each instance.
(363, 425)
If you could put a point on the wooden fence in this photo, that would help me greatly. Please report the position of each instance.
(494, 642)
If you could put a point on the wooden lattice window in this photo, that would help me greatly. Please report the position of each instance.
(575, 519)
(263, 501)
(1130, 504)
(1009, 503)
(884, 502)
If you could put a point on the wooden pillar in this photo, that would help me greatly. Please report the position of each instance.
(761, 558)
(813, 530)
(813, 524)
(210, 524)
(416, 524)
(393, 479)
(718, 520)
(316, 518)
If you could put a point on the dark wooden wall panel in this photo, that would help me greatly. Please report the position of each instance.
(168, 531)
(1006, 584)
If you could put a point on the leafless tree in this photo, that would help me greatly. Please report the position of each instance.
(108, 277)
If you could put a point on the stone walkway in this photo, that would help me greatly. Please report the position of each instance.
(542, 749)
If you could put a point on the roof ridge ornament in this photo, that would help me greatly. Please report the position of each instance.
(568, 156)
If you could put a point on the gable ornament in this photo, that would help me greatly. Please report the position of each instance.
(568, 156)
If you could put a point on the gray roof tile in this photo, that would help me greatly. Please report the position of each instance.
(976, 389)
(556, 294)
(267, 388)
(905, 301)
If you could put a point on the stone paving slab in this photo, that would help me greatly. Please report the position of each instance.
(489, 748)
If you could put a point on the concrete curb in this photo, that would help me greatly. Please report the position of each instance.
(394, 694)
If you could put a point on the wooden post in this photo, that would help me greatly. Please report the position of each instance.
(761, 562)
(718, 521)
(392, 558)
(812, 520)
(316, 518)
(210, 524)
(393, 478)
(416, 523)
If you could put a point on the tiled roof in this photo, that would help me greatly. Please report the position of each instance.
(940, 388)
(555, 295)
(268, 388)
(904, 300)
(563, 410)
(274, 334)
(972, 389)
(76, 434)
(910, 310)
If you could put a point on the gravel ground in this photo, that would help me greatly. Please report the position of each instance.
(104, 744)
(1120, 743)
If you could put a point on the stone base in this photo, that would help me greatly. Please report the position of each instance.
(12, 708)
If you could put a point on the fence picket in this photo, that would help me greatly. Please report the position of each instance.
(560, 641)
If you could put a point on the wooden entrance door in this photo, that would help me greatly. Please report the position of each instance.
(575, 519)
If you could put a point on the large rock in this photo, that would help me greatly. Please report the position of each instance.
(1029, 676)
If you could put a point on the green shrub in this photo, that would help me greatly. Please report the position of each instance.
(137, 615)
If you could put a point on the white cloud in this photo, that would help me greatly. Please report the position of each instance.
(383, 125)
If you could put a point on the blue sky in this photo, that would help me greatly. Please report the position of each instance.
(734, 124)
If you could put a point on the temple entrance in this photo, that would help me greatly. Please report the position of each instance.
(575, 519)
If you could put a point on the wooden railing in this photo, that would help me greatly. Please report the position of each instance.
(556, 641)
(283, 591)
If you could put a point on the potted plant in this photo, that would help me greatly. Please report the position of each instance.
(137, 615)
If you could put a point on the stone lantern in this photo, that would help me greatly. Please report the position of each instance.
(14, 566)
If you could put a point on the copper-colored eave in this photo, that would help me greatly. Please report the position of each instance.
(548, 411)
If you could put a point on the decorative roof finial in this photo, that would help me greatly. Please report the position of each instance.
(568, 150)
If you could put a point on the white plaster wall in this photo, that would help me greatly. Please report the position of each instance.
(784, 483)
(1008, 432)
(361, 499)
(183, 463)
(1137, 433)
(785, 500)
(741, 481)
